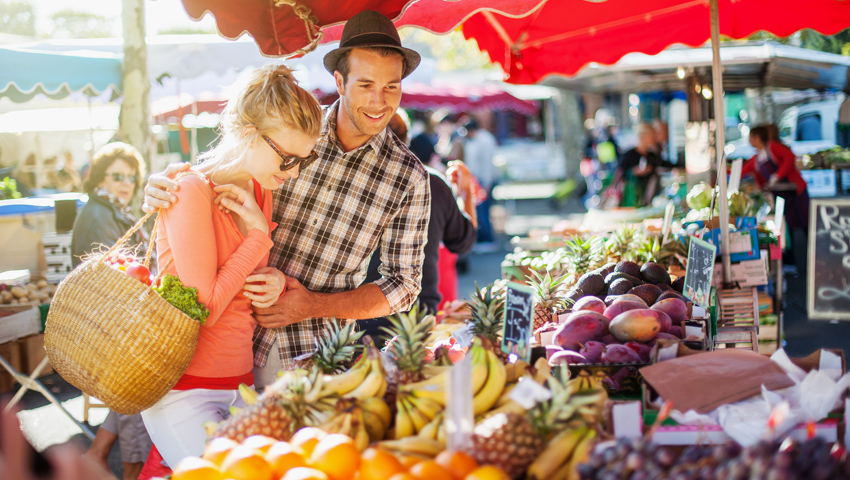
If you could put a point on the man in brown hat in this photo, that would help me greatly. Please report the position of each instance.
(366, 189)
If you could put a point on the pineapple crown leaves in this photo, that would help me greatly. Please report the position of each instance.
(548, 288)
(487, 307)
(565, 406)
(410, 330)
(336, 347)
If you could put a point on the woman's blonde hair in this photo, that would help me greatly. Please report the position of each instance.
(268, 98)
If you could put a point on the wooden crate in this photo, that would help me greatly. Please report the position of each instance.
(11, 352)
(32, 353)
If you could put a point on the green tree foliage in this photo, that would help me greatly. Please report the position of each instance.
(452, 51)
(185, 31)
(17, 18)
(71, 23)
(810, 39)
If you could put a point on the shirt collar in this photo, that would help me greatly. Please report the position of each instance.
(329, 129)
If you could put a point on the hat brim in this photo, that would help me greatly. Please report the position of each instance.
(411, 58)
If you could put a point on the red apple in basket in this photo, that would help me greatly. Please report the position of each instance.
(139, 272)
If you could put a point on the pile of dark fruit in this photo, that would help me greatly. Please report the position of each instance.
(638, 459)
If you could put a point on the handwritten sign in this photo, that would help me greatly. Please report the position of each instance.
(699, 271)
(828, 295)
(519, 304)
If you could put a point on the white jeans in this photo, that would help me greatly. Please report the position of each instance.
(267, 374)
(176, 423)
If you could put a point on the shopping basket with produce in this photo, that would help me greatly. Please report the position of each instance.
(114, 337)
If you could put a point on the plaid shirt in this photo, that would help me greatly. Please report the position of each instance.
(335, 215)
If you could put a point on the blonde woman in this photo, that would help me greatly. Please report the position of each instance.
(216, 238)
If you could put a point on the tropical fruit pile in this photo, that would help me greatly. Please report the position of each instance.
(395, 400)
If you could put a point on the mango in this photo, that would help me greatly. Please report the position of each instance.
(593, 351)
(676, 331)
(676, 309)
(620, 354)
(630, 298)
(580, 327)
(641, 349)
(619, 307)
(609, 340)
(641, 325)
(664, 320)
(589, 303)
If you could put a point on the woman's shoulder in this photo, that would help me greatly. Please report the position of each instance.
(193, 183)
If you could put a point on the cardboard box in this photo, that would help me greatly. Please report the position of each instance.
(11, 352)
(22, 248)
(18, 321)
(32, 353)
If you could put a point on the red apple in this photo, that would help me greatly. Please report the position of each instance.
(139, 272)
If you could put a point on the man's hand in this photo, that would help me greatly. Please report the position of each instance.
(295, 306)
(460, 175)
(160, 185)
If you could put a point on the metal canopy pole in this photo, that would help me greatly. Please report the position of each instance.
(720, 139)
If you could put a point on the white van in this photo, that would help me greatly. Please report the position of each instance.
(807, 128)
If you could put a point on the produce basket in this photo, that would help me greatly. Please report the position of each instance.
(115, 338)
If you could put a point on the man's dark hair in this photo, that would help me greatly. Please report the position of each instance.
(343, 65)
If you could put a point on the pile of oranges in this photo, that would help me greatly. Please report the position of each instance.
(315, 455)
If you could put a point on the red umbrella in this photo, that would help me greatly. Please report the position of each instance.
(563, 36)
(282, 27)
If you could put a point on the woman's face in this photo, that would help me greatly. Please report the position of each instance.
(120, 180)
(756, 142)
(264, 162)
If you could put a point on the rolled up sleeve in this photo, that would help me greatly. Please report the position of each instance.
(403, 247)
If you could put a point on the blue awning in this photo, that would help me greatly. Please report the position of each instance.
(26, 73)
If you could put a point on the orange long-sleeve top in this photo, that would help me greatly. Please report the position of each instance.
(211, 254)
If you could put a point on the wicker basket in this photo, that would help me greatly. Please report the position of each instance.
(115, 338)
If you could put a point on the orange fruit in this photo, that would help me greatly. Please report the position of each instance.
(487, 472)
(217, 449)
(307, 438)
(245, 463)
(259, 442)
(336, 455)
(194, 468)
(429, 470)
(403, 476)
(459, 464)
(377, 464)
(410, 460)
(282, 457)
(304, 473)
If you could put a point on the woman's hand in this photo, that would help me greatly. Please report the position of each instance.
(160, 185)
(240, 202)
(265, 286)
(460, 175)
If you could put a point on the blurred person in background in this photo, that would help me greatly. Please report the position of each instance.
(115, 178)
(638, 169)
(479, 150)
(662, 138)
(67, 178)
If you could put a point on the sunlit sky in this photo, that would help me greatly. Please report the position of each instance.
(160, 14)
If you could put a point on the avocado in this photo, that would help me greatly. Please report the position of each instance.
(664, 287)
(620, 286)
(652, 272)
(591, 283)
(679, 284)
(607, 268)
(609, 280)
(573, 295)
(648, 293)
(671, 294)
(631, 268)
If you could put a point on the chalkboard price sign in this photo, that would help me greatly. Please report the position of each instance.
(828, 295)
(519, 304)
(699, 271)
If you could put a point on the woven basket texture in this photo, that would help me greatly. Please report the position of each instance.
(116, 339)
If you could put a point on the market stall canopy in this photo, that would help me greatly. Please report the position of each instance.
(561, 37)
(26, 73)
(750, 65)
(286, 27)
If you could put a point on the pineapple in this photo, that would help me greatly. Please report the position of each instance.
(509, 441)
(286, 405)
(578, 258)
(336, 348)
(488, 316)
(624, 244)
(550, 297)
(408, 332)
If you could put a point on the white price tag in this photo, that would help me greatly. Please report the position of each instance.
(529, 393)
(463, 336)
(735, 175)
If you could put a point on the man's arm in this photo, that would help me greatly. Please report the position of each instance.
(402, 255)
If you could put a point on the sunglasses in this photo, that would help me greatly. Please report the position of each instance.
(120, 177)
(289, 161)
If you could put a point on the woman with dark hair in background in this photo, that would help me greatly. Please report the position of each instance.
(775, 170)
(115, 178)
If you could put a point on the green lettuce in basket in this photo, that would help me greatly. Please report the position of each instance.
(182, 297)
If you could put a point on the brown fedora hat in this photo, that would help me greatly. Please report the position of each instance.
(371, 29)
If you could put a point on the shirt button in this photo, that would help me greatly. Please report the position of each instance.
(315, 222)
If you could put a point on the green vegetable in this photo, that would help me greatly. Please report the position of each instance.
(182, 297)
(739, 204)
(700, 196)
(9, 189)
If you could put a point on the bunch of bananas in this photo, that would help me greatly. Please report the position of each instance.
(364, 421)
(562, 455)
(365, 379)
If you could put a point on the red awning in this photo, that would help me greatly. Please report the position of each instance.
(284, 30)
(561, 37)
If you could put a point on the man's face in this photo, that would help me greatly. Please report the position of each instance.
(373, 91)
